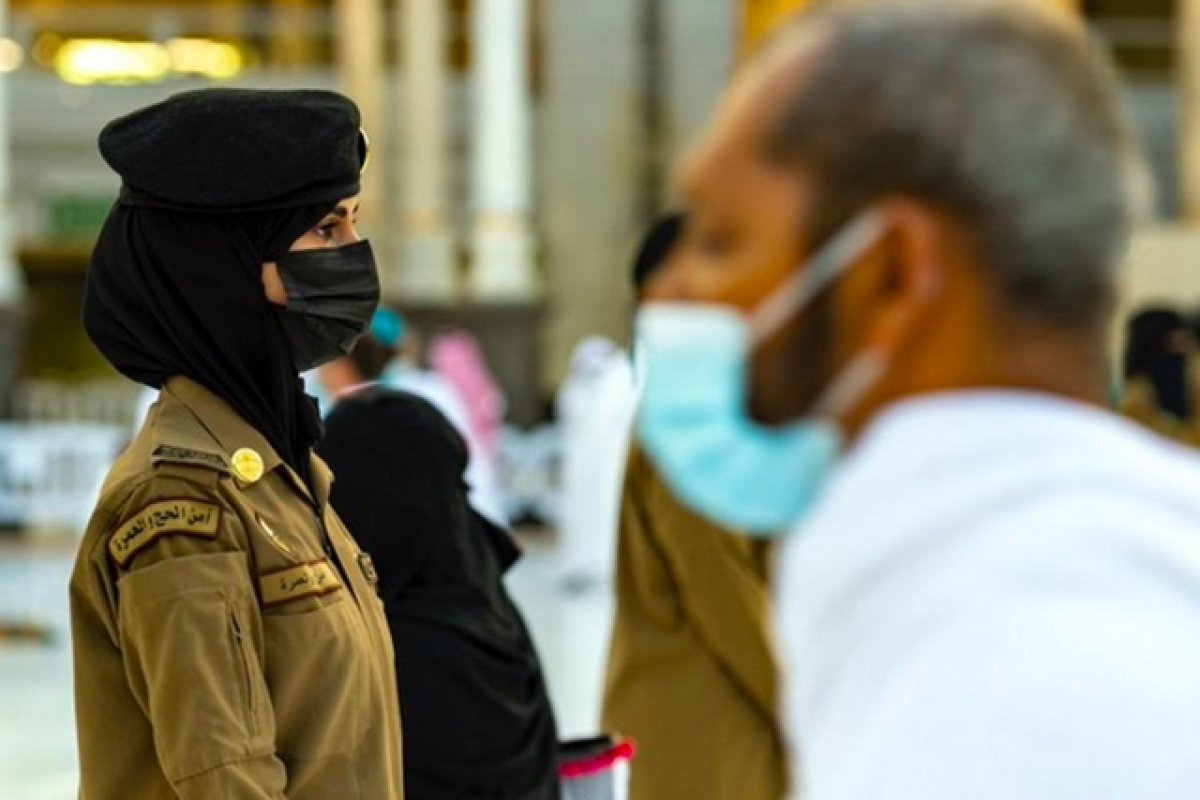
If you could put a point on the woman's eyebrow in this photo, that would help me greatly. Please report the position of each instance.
(340, 212)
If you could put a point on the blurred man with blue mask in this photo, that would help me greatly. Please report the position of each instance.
(992, 589)
(693, 417)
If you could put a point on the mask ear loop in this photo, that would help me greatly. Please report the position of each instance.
(841, 253)
(807, 281)
(851, 385)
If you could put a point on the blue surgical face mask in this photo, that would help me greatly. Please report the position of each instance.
(693, 420)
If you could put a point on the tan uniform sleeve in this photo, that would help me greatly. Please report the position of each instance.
(722, 583)
(191, 639)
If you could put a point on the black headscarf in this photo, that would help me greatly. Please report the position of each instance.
(178, 293)
(214, 183)
(1150, 354)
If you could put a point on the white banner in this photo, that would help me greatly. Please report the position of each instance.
(50, 473)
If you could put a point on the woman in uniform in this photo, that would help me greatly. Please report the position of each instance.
(228, 638)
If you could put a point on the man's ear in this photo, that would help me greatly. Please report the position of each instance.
(915, 263)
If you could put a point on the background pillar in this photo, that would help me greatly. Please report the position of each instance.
(502, 242)
(12, 284)
(426, 252)
(358, 28)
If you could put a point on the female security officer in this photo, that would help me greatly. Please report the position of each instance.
(228, 639)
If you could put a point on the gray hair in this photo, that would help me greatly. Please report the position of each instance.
(1005, 117)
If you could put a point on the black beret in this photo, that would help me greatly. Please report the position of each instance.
(217, 150)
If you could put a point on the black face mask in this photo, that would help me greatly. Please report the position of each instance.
(332, 295)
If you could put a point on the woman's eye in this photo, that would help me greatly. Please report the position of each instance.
(326, 231)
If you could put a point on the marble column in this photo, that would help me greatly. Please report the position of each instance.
(292, 33)
(1188, 26)
(12, 284)
(502, 242)
(359, 41)
(426, 252)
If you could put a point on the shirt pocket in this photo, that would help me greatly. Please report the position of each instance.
(318, 670)
(187, 641)
(248, 668)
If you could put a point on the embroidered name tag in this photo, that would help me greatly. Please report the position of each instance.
(165, 518)
(294, 583)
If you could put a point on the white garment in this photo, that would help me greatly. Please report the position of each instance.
(998, 597)
(595, 410)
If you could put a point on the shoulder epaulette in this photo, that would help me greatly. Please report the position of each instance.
(170, 454)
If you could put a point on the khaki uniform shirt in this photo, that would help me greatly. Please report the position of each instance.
(228, 639)
(692, 675)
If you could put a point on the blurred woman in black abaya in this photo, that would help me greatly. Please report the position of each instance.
(477, 718)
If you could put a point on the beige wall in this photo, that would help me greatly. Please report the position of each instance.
(1189, 92)
(1163, 267)
(590, 145)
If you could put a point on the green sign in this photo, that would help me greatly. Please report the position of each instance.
(76, 217)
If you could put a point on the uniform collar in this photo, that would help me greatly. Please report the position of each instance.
(232, 433)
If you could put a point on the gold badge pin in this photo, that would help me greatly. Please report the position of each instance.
(247, 466)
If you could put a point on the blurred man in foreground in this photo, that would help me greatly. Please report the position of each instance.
(916, 210)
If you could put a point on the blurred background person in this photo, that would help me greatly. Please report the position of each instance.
(692, 674)
(409, 372)
(595, 409)
(595, 413)
(458, 359)
(1160, 385)
(996, 591)
(399, 344)
(476, 716)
